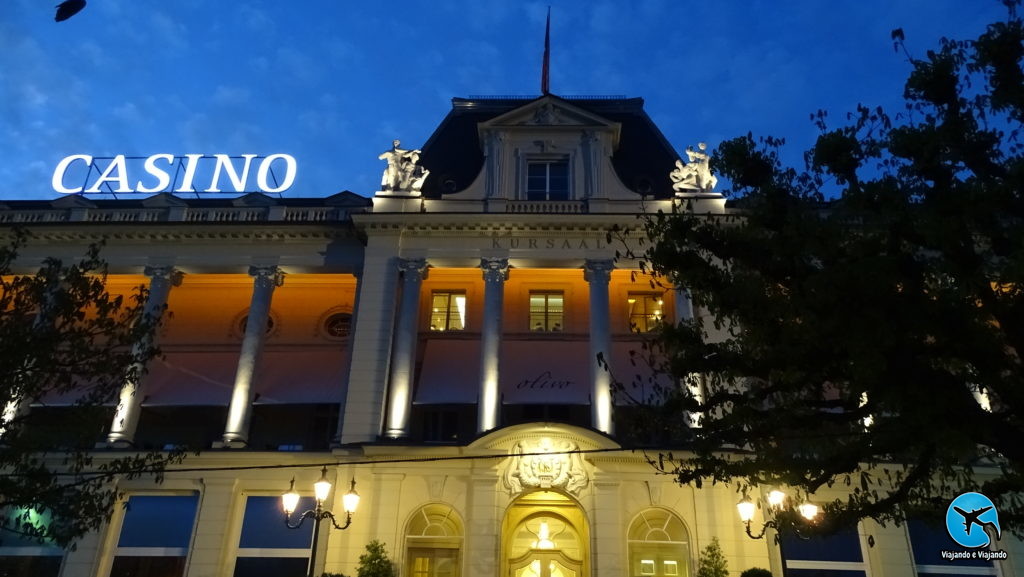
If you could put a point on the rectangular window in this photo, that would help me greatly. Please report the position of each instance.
(547, 179)
(266, 547)
(547, 311)
(645, 311)
(928, 541)
(837, 555)
(155, 536)
(448, 311)
(25, 557)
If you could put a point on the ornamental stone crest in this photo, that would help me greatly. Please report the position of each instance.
(545, 464)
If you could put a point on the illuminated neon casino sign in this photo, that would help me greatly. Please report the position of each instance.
(187, 173)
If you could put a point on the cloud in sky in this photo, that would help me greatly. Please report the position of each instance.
(332, 83)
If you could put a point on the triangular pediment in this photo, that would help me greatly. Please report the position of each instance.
(347, 198)
(163, 200)
(73, 201)
(549, 111)
(253, 199)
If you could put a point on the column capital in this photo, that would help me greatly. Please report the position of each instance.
(598, 270)
(495, 269)
(413, 268)
(164, 273)
(267, 276)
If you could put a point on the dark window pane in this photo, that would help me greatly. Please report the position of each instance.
(927, 540)
(271, 567)
(822, 573)
(17, 566)
(148, 567)
(158, 521)
(843, 546)
(263, 525)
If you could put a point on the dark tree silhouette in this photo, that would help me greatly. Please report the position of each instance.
(69, 8)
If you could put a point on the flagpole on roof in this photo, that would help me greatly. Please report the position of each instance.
(545, 85)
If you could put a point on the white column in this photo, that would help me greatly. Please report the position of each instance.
(217, 500)
(598, 273)
(693, 381)
(495, 273)
(607, 558)
(129, 405)
(403, 352)
(347, 369)
(18, 407)
(684, 305)
(483, 523)
(372, 336)
(265, 280)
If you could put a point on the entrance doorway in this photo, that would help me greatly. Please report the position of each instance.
(545, 534)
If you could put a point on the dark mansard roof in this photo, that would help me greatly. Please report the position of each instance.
(454, 153)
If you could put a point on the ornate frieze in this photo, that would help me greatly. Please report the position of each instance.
(545, 464)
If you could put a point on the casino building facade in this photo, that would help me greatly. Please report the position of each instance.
(438, 344)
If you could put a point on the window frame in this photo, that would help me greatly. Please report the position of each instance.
(307, 501)
(547, 160)
(651, 319)
(450, 307)
(450, 541)
(548, 325)
(183, 553)
(825, 567)
(650, 551)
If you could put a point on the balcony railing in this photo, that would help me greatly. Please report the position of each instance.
(546, 206)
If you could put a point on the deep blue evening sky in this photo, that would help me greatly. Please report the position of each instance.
(333, 82)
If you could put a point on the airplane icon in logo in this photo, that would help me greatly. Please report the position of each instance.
(968, 510)
(972, 518)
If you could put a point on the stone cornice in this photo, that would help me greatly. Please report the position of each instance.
(70, 232)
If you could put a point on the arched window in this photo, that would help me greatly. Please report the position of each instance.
(433, 542)
(658, 545)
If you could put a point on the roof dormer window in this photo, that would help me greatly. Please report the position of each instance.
(547, 179)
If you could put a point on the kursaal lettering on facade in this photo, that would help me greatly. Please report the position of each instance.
(188, 173)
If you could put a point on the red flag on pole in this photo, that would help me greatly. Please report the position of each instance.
(544, 73)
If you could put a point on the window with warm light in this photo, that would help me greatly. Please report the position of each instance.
(155, 536)
(448, 311)
(645, 311)
(268, 548)
(658, 545)
(434, 542)
(547, 311)
(547, 179)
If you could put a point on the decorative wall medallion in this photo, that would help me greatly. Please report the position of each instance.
(545, 464)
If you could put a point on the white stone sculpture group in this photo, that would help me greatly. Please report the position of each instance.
(403, 172)
(695, 175)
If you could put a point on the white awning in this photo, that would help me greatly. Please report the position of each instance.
(292, 376)
(309, 375)
(532, 371)
(546, 372)
(450, 372)
(190, 378)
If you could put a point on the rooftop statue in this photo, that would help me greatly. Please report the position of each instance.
(403, 172)
(695, 175)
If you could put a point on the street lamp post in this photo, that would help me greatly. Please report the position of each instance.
(321, 489)
(775, 501)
